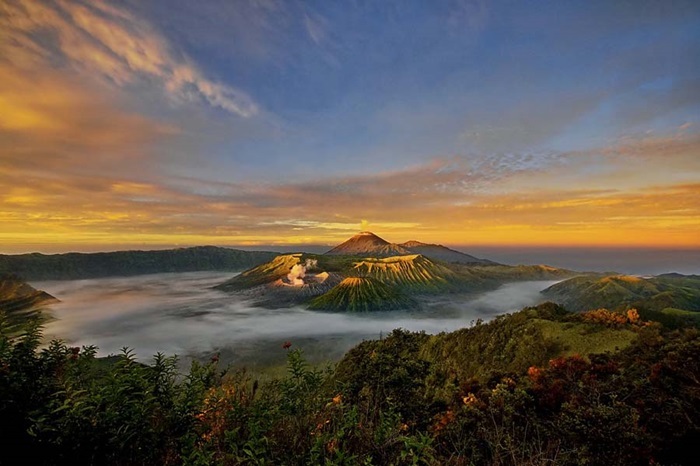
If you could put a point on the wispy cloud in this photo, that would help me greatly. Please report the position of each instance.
(442, 201)
(101, 39)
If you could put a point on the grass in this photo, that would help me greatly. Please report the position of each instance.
(362, 294)
(682, 313)
(583, 338)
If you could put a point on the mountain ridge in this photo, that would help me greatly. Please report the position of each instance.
(619, 291)
(366, 243)
(75, 265)
(440, 252)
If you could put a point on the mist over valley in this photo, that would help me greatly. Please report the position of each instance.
(180, 313)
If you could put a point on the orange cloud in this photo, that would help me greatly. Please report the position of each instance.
(47, 109)
(77, 165)
(111, 211)
(104, 40)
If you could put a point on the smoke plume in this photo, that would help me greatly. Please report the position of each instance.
(298, 272)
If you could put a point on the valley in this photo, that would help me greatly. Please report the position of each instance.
(425, 345)
(180, 313)
(352, 292)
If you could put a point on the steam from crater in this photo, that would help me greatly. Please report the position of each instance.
(298, 272)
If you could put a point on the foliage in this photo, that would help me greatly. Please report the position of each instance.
(495, 394)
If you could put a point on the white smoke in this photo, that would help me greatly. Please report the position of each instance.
(298, 272)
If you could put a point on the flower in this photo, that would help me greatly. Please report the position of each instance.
(632, 315)
(338, 399)
(287, 345)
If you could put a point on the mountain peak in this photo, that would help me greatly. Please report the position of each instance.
(367, 243)
(440, 252)
(368, 235)
(413, 244)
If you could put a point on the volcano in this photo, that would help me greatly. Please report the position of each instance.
(367, 243)
(443, 253)
(362, 294)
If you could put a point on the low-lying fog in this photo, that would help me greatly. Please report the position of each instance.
(178, 313)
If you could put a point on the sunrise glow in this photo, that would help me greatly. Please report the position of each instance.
(154, 124)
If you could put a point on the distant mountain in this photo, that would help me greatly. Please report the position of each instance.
(362, 294)
(440, 252)
(367, 243)
(658, 293)
(73, 266)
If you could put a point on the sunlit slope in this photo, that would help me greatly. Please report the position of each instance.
(616, 291)
(367, 243)
(442, 253)
(16, 295)
(262, 274)
(21, 303)
(514, 273)
(413, 273)
(362, 294)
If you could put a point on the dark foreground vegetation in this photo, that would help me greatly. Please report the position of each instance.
(533, 388)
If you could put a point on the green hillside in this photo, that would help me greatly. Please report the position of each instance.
(540, 386)
(509, 344)
(413, 273)
(74, 266)
(621, 291)
(362, 294)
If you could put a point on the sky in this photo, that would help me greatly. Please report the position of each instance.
(131, 124)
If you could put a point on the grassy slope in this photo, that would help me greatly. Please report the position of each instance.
(518, 341)
(583, 338)
(362, 294)
(265, 273)
(509, 344)
(410, 273)
(620, 291)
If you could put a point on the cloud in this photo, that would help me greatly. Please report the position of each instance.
(446, 201)
(187, 316)
(66, 118)
(100, 39)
